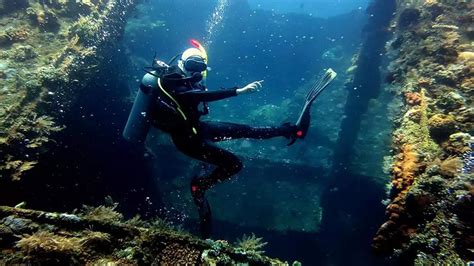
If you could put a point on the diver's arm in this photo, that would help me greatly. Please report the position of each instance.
(208, 96)
(251, 87)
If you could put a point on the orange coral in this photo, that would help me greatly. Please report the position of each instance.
(405, 167)
(413, 98)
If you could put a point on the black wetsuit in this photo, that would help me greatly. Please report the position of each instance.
(199, 143)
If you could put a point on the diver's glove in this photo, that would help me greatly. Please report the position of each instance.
(251, 87)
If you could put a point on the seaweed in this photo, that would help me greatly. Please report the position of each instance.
(106, 214)
(45, 243)
(450, 167)
(251, 244)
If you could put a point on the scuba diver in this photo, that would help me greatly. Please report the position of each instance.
(173, 98)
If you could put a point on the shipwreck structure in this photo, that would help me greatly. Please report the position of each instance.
(427, 68)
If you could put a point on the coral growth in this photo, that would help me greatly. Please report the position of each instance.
(450, 167)
(413, 98)
(441, 126)
(405, 168)
(466, 57)
(432, 65)
(13, 35)
(41, 55)
(35, 237)
(458, 143)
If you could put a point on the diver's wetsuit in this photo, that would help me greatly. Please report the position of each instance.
(199, 144)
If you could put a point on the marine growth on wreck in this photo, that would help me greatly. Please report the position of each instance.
(49, 51)
(430, 205)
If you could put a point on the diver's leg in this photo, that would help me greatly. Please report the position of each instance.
(227, 164)
(217, 131)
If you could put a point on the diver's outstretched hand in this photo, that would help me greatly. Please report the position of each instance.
(251, 87)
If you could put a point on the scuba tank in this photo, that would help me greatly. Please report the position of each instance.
(140, 120)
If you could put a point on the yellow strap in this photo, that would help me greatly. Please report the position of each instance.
(169, 96)
(178, 107)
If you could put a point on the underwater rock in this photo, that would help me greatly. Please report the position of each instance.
(451, 101)
(409, 17)
(44, 18)
(91, 241)
(23, 53)
(464, 208)
(13, 34)
(18, 225)
(458, 143)
(333, 55)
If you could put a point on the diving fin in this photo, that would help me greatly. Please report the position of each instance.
(303, 122)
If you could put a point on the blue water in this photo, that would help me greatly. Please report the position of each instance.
(284, 49)
(290, 196)
(317, 8)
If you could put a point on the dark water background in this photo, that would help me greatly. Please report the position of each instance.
(287, 51)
